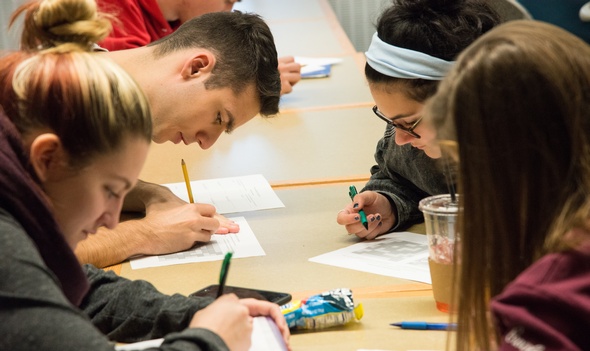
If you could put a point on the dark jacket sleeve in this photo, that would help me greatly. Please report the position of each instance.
(129, 311)
(405, 175)
(35, 314)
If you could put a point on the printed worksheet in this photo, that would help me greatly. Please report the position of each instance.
(401, 255)
(243, 244)
(231, 194)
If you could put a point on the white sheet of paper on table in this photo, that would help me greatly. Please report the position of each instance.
(401, 255)
(316, 67)
(309, 72)
(231, 194)
(317, 61)
(243, 244)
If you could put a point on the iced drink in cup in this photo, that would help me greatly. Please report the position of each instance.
(440, 218)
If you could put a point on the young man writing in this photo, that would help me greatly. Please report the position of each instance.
(212, 75)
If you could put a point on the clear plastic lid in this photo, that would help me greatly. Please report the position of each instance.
(439, 204)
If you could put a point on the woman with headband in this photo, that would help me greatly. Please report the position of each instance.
(411, 52)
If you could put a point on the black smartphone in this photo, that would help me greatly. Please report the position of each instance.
(280, 298)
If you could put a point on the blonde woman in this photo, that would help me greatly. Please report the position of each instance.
(211, 76)
(73, 138)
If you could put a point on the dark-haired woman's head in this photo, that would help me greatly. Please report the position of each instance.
(414, 47)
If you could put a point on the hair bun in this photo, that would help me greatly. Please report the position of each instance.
(51, 23)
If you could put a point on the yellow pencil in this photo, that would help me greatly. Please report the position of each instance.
(187, 181)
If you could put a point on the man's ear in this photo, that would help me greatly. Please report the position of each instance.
(45, 153)
(198, 65)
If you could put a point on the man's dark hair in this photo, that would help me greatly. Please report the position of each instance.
(244, 50)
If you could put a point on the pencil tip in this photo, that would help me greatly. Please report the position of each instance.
(182, 161)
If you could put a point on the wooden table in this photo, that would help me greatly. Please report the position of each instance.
(305, 228)
(297, 148)
(323, 141)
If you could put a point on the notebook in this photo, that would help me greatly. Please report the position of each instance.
(265, 337)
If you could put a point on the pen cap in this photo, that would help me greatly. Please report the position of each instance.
(225, 267)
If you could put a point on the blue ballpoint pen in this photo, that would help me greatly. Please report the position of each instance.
(425, 326)
(352, 192)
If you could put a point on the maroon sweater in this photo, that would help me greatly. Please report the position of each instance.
(548, 306)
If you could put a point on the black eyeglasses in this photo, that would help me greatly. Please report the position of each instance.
(388, 120)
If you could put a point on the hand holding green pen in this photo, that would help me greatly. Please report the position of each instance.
(223, 273)
(352, 192)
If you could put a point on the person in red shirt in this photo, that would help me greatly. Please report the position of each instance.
(514, 111)
(139, 22)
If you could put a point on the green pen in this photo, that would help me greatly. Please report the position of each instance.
(352, 192)
(223, 274)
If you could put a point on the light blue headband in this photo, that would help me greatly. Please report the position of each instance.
(398, 62)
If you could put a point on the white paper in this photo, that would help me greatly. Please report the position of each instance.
(243, 244)
(317, 61)
(315, 71)
(231, 194)
(402, 255)
(265, 337)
